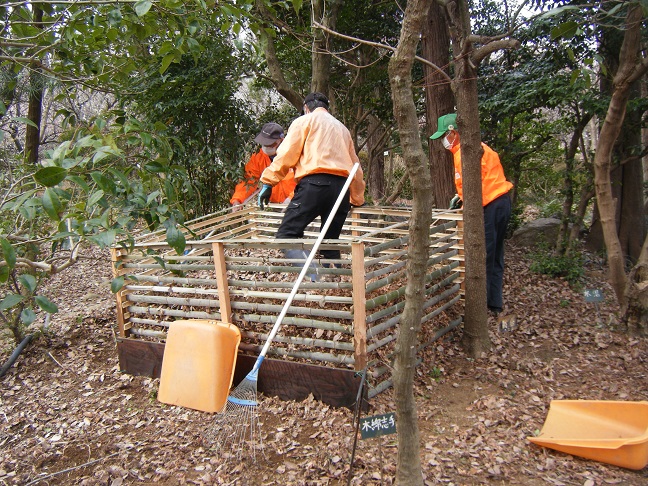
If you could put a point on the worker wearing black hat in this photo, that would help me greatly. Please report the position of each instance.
(270, 137)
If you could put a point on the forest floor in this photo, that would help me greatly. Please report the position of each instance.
(70, 417)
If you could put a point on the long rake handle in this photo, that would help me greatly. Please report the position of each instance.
(305, 268)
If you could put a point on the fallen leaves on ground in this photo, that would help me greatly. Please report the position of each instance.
(71, 417)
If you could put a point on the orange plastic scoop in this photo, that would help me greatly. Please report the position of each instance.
(198, 364)
(614, 432)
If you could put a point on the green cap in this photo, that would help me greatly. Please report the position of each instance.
(446, 122)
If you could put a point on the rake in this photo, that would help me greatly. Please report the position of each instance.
(239, 423)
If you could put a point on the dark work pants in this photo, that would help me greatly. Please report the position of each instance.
(496, 218)
(315, 195)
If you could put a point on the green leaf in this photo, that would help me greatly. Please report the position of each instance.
(46, 304)
(10, 301)
(566, 30)
(116, 284)
(176, 239)
(166, 62)
(52, 204)
(95, 197)
(142, 7)
(4, 274)
(28, 281)
(103, 182)
(27, 316)
(155, 166)
(8, 253)
(297, 5)
(104, 239)
(26, 121)
(50, 176)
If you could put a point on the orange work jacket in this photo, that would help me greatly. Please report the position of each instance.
(253, 169)
(494, 183)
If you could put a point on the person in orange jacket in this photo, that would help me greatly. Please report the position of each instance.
(270, 137)
(495, 200)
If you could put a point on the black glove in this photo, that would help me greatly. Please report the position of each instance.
(456, 202)
(264, 195)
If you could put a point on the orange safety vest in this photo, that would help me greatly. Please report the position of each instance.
(253, 169)
(494, 183)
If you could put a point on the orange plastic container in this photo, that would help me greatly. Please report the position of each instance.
(614, 432)
(198, 364)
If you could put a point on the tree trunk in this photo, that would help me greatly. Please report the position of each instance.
(376, 150)
(630, 69)
(475, 337)
(439, 100)
(326, 14)
(635, 311)
(400, 76)
(35, 107)
(568, 184)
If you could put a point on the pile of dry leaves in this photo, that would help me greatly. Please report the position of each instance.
(70, 417)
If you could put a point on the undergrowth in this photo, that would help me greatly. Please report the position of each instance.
(570, 265)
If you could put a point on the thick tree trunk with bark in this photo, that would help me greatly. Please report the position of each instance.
(400, 76)
(326, 14)
(475, 337)
(439, 100)
(631, 68)
(35, 107)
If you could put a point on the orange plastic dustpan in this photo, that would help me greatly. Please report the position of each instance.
(198, 364)
(614, 432)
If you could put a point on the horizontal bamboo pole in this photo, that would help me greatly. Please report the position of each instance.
(149, 322)
(388, 256)
(169, 290)
(176, 280)
(378, 389)
(300, 311)
(455, 289)
(321, 357)
(157, 311)
(381, 342)
(298, 322)
(386, 269)
(289, 284)
(376, 249)
(440, 333)
(168, 266)
(441, 309)
(148, 333)
(375, 330)
(322, 300)
(154, 299)
(299, 341)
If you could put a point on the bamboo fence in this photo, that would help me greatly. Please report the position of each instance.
(235, 271)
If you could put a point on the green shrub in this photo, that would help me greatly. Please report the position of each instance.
(569, 266)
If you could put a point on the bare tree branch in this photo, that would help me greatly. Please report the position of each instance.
(380, 46)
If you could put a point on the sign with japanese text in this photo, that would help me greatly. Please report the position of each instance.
(593, 295)
(377, 425)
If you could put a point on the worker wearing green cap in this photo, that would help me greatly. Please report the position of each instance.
(495, 200)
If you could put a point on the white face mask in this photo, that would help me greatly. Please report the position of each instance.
(270, 151)
(447, 144)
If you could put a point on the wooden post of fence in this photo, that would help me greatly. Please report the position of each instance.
(355, 216)
(115, 255)
(359, 306)
(221, 280)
